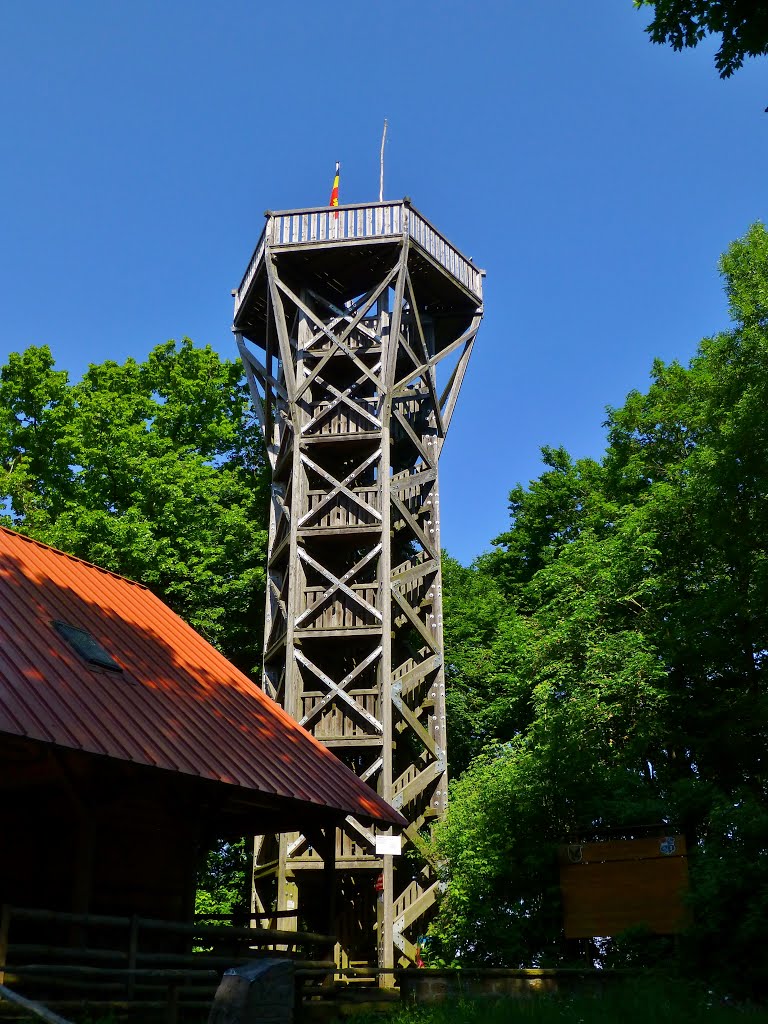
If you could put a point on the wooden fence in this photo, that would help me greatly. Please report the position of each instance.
(72, 962)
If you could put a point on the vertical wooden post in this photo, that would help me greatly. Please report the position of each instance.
(330, 886)
(323, 841)
(172, 1006)
(133, 949)
(389, 358)
(5, 927)
(81, 889)
(287, 892)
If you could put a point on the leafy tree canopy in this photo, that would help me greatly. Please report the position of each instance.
(153, 470)
(607, 661)
(741, 24)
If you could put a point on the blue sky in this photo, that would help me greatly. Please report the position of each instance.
(595, 176)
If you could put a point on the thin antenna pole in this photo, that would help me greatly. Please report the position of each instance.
(381, 162)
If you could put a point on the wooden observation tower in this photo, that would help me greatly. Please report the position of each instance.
(355, 325)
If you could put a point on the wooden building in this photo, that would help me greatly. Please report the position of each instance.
(127, 741)
(356, 325)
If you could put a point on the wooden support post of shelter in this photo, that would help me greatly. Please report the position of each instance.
(5, 924)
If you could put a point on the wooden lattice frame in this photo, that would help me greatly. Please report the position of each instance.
(348, 400)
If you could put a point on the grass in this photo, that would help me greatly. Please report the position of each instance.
(627, 1003)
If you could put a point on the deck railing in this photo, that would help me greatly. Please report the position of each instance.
(360, 222)
(335, 224)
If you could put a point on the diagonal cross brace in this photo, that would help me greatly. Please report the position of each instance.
(350, 315)
(342, 685)
(428, 375)
(404, 794)
(341, 486)
(425, 542)
(343, 396)
(415, 620)
(410, 717)
(338, 584)
(346, 314)
(468, 335)
(338, 692)
(338, 340)
(265, 375)
(427, 457)
(327, 331)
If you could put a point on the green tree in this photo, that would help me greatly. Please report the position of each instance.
(637, 587)
(223, 884)
(741, 24)
(474, 606)
(154, 470)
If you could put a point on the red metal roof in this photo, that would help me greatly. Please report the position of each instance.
(178, 704)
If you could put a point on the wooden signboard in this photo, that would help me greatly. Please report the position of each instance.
(608, 887)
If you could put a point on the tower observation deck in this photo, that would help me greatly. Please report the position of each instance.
(355, 325)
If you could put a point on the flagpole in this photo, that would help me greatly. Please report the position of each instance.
(381, 162)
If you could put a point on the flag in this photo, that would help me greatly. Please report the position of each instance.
(334, 200)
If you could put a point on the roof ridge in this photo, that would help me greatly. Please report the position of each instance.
(73, 558)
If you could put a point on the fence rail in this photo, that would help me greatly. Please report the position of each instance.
(360, 222)
(134, 976)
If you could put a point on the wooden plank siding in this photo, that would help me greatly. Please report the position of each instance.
(608, 887)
